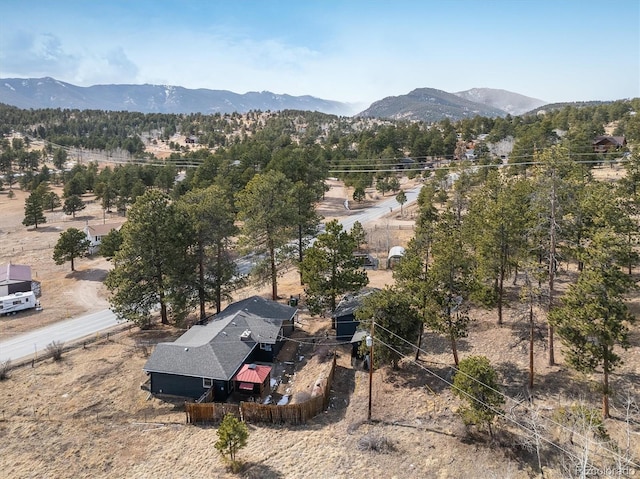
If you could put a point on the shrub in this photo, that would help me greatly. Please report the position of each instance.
(372, 442)
(55, 348)
(5, 367)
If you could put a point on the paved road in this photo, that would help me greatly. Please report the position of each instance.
(35, 343)
(31, 344)
(378, 210)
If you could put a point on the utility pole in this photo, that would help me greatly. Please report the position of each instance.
(370, 345)
(552, 261)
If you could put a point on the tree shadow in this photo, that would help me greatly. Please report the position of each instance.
(46, 229)
(437, 344)
(253, 470)
(95, 274)
(514, 379)
(421, 375)
(562, 383)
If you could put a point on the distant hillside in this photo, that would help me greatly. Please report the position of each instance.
(512, 103)
(429, 104)
(50, 93)
(575, 104)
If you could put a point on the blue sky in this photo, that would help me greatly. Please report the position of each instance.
(354, 51)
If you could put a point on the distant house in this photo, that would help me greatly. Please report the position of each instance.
(405, 163)
(14, 278)
(95, 233)
(604, 143)
(344, 317)
(212, 355)
(192, 140)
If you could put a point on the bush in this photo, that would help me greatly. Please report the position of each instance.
(372, 442)
(55, 348)
(5, 367)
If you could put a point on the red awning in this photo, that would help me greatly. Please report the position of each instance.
(246, 386)
(253, 373)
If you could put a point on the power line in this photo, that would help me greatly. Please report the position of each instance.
(506, 397)
(497, 411)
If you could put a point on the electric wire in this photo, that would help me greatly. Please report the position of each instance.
(505, 396)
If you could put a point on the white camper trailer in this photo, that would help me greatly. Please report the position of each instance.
(17, 302)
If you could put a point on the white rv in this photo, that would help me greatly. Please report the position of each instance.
(17, 302)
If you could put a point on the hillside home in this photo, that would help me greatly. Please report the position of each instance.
(213, 356)
(604, 143)
(95, 233)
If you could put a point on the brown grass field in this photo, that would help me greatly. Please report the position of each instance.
(86, 415)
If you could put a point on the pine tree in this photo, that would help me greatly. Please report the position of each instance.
(476, 382)
(152, 265)
(34, 210)
(268, 212)
(232, 436)
(72, 244)
(396, 326)
(330, 269)
(594, 318)
(73, 204)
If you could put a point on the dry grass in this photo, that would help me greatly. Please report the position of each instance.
(86, 415)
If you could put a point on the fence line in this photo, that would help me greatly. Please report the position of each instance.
(294, 414)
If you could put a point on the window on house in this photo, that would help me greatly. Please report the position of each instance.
(265, 347)
(207, 383)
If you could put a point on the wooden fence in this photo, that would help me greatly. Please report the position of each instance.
(294, 414)
(210, 411)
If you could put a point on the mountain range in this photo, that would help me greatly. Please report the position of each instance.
(426, 104)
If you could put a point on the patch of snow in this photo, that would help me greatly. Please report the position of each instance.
(267, 400)
(9, 86)
(274, 382)
(284, 400)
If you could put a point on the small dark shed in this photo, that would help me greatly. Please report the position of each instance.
(344, 317)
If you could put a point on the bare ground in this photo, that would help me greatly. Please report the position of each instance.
(86, 416)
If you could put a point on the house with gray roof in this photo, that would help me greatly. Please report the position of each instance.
(209, 355)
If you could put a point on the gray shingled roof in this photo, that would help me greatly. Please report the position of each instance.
(259, 306)
(215, 350)
(351, 302)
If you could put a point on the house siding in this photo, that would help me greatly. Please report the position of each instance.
(345, 327)
(187, 386)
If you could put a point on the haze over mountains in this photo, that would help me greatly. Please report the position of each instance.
(426, 104)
